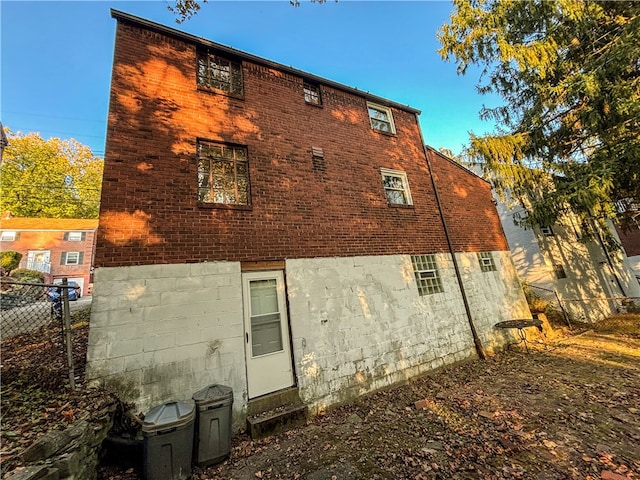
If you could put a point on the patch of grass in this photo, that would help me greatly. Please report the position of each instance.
(622, 323)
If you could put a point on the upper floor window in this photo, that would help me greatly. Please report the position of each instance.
(71, 258)
(427, 275)
(312, 93)
(396, 187)
(220, 73)
(381, 118)
(8, 236)
(485, 259)
(74, 236)
(223, 174)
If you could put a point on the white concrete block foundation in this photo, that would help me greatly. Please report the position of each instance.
(357, 324)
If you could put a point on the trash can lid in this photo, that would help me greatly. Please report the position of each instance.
(170, 414)
(213, 393)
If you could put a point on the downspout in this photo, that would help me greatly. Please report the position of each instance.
(476, 338)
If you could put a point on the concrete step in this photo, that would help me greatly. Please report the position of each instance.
(276, 421)
(275, 413)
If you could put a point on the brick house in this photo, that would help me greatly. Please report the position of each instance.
(57, 247)
(267, 229)
(630, 235)
(630, 240)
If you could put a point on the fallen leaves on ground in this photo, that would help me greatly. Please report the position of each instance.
(568, 410)
(36, 397)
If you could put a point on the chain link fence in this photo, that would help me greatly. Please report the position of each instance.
(35, 316)
(547, 301)
(582, 309)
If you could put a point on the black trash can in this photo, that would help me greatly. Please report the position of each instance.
(213, 424)
(167, 433)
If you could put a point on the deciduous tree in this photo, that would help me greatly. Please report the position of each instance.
(49, 178)
(569, 74)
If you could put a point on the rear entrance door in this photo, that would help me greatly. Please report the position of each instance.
(267, 345)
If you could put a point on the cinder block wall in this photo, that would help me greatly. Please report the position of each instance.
(163, 332)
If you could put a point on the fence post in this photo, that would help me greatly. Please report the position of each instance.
(67, 333)
(564, 312)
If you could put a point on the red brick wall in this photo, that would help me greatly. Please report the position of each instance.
(149, 212)
(630, 241)
(472, 220)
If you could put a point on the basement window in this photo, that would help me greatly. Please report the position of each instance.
(427, 275)
(223, 174)
(219, 73)
(558, 271)
(381, 118)
(485, 259)
(547, 231)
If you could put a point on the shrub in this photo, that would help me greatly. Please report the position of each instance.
(10, 260)
(28, 276)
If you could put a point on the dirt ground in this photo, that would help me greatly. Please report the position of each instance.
(568, 410)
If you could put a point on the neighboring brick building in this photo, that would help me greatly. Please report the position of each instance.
(630, 239)
(58, 247)
(263, 228)
(630, 235)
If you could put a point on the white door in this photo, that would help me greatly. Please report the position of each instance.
(267, 347)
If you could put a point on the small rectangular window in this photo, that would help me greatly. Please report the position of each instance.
(396, 187)
(312, 94)
(72, 258)
(547, 231)
(485, 259)
(381, 118)
(223, 174)
(220, 73)
(427, 275)
(74, 236)
(558, 271)
(8, 236)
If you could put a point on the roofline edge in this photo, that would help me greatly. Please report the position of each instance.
(127, 17)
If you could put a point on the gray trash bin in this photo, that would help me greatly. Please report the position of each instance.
(213, 424)
(167, 433)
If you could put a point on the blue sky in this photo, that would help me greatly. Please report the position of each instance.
(56, 58)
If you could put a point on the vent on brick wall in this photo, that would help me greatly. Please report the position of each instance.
(317, 156)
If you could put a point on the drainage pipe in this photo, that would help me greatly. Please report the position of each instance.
(474, 333)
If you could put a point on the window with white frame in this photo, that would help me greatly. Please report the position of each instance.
(71, 258)
(485, 259)
(396, 187)
(8, 236)
(74, 236)
(425, 269)
(381, 118)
